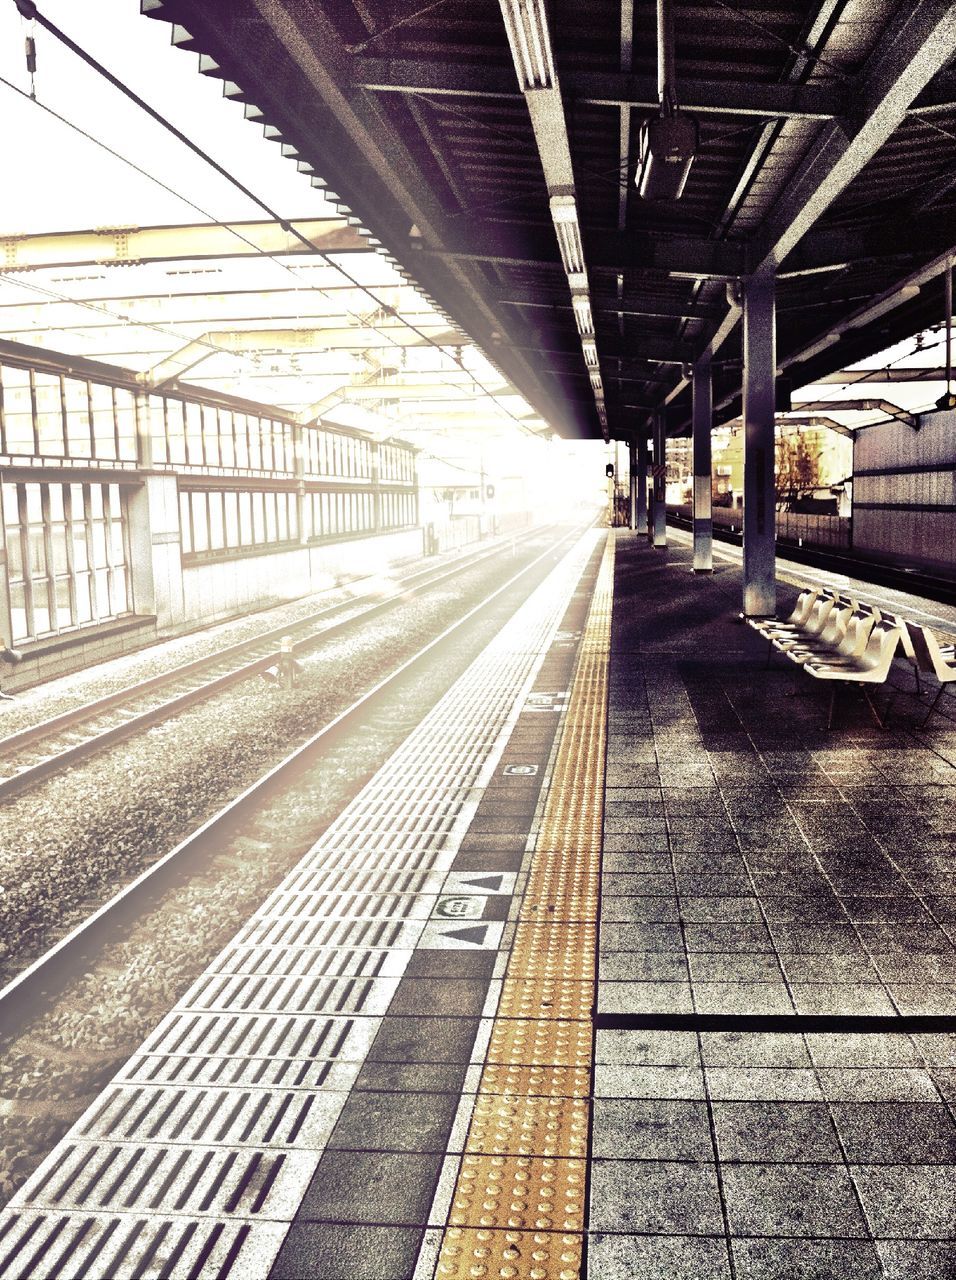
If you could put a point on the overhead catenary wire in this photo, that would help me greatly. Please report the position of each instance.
(29, 10)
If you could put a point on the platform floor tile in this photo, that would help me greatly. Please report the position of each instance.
(261, 1097)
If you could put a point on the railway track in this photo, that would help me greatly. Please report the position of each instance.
(912, 581)
(27, 995)
(42, 750)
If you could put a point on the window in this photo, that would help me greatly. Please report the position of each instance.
(210, 435)
(218, 521)
(104, 424)
(125, 411)
(49, 415)
(194, 449)
(67, 558)
(18, 435)
(176, 431)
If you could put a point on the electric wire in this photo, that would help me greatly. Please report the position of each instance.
(28, 9)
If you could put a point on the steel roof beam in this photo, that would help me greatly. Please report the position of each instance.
(650, 308)
(345, 134)
(858, 406)
(124, 246)
(683, 256)
(905, 61)
(606, 89)
(622, 89)
(847, 377)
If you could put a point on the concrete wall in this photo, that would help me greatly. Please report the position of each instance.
(904, 493)
(220, 589)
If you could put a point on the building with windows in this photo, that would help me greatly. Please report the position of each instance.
(128, 515)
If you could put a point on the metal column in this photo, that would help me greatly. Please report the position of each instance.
(632, 481)
(760, 594)
(660, 482)
(703, 413)
(642, 482)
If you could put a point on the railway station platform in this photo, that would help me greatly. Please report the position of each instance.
(621, 966)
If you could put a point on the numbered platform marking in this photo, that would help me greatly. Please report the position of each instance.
(461, 907)
(520, 770)
(547, 701)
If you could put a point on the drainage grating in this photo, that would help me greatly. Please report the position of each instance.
(196, 1158)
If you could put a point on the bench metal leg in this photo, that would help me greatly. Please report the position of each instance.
(833, 695)
(872, 705)
(932, 705)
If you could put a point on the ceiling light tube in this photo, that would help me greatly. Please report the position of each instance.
(571, 248)
(563, 209)
(878, 309)
(828, 340)
(596, 383)
(583, 316)
(589, 348)
(527, 26)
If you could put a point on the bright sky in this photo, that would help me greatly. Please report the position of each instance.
(68, 183)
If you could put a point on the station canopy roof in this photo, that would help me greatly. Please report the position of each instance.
(180, 279)
(485, 151)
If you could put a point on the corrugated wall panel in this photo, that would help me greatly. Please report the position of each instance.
(905, 513)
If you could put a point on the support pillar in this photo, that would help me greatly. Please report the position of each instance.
(641, 515)
(703, 414)
(660, 481)
(632, 483)
(760, 367)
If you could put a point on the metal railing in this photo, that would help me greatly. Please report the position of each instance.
(794, 527)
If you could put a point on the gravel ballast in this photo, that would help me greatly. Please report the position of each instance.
(82, 835)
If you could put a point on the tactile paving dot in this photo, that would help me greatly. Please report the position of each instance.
(511, 1124)
(545, 1040)
(521, 1182)
(545, 1081)
(469, 1254)
(550, 997)
(530, 1193)
(553, 950)
(570, 907)
(578, 882)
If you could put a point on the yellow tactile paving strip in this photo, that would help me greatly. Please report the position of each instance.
(519, 1202)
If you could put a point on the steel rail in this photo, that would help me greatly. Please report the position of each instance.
(911, 581)
(76, 752)
(26, 995)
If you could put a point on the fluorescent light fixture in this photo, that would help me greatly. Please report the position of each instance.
(578, 280)
(564, 214)
(878, 309)
(596, 383)
(570, 246)
(583, 317)
(808, 353)
(589, 348)
(563, 209)
(527, 26)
